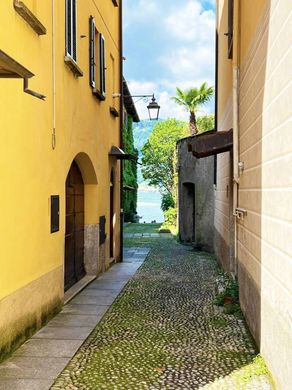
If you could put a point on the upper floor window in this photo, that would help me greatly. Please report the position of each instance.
(97, 60)
(71, 31)
(230, 28)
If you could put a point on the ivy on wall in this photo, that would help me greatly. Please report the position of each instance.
(129, 173)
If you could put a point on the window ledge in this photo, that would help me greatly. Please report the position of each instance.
(114, 112)
(73, 66)
(9, 68)
(98, 94)
(29, 17)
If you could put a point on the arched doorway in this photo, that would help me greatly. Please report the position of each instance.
(188, 212)
(74, 236)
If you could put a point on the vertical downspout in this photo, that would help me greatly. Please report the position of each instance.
(216, 100)
(235, 92)
(54, 75)
(121, 128)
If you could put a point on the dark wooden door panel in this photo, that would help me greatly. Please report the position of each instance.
(70, 277)
(74, 238)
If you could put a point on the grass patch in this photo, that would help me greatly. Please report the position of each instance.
(219, 322)
(255, 369)
(142, 228)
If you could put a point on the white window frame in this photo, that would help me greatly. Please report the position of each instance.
(71, 50)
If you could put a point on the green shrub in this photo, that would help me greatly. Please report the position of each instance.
(167, 201)
(170, 217)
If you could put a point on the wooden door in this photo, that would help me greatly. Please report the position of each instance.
(74, 237)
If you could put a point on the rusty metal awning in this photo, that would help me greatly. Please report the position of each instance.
(119, 154)
(211, 143)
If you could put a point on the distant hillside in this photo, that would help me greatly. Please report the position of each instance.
(141, 132)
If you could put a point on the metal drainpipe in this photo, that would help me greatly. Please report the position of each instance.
(235, 75)
(121, 127)
(54, 74)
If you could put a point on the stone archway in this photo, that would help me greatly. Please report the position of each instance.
(82, 229)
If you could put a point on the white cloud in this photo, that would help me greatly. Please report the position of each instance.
(191, 23)
(141, 87)
(190, 66)
(183, 33)
(190, 59)
(139, 12)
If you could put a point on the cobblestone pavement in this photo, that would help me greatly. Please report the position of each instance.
(163, 332)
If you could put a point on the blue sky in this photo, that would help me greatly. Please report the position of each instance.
(168, 43)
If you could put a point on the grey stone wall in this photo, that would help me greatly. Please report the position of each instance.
(195, 198)
(91, 249)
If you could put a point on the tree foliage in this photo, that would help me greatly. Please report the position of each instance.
(129, 174)
(192, 99)
(167, 201)
(205, 123)
(158, 154)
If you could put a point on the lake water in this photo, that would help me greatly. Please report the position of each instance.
(148, 206)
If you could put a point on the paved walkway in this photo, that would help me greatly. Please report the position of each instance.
(147, 235)
(36, 364)
(163, 332)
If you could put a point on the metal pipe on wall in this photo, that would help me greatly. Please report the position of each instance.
(121, 127)
(235, 93)
(54, 74)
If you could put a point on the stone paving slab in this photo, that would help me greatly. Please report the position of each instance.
(105, 285)
(93, 300)
(63, 333)
(148, 235)
(36, 364)
(28, 367)
(49, 348)
(63, 319)
(25, 384)
(74, 308)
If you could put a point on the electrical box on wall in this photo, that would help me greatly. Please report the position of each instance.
(55, 213)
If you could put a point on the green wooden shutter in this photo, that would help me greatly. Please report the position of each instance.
(92, 48)
(102, 64)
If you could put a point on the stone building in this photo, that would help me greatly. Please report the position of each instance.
(252, 144)
(195, 197)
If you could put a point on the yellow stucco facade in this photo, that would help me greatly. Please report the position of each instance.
(261, 240)
(40, 140)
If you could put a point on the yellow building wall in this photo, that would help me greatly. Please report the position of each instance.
(223, 221)
(264, 237)
(264, 250)
(31, 258)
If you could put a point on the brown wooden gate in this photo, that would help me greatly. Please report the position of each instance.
(74, 236)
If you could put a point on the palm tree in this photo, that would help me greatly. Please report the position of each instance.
(192, 99)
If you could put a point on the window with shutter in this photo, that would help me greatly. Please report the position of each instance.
(102, 65)
(230, 28)
(92, 60)
(96, 61)
(71, 29)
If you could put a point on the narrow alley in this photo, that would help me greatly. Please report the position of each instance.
(164, 332)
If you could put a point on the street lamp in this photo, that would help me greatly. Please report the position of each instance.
(153, 107)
